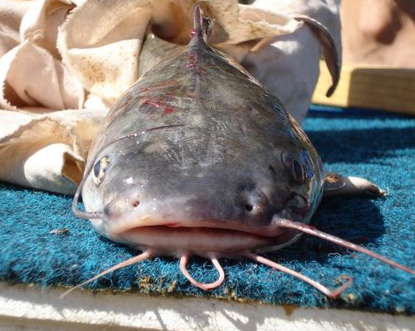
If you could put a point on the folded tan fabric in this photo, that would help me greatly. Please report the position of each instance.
(63, 63)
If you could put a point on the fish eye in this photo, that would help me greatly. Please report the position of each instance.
(100, 169)
(298, 172)
(294, 167)
(287, 160)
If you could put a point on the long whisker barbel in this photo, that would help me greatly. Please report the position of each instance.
(184, 259)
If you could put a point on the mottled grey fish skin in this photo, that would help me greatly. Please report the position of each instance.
(212, 150)
(154, 51)
(198, 158)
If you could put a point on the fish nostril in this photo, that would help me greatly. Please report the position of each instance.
(255, 203)
(135, 204)
(249, 207)
(251, 199)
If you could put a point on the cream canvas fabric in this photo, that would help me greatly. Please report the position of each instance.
(63, 64)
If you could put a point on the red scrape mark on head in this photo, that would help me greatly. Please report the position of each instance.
(158, 104)
(193, 64)
(192, 61)
(167, 110)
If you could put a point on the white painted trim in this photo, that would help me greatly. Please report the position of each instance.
(31, 308)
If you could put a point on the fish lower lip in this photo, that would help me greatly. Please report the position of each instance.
(198, 240)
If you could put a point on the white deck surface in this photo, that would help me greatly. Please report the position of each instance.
(30, 308)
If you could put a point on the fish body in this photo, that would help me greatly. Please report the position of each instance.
(213, 151)
(198, 158)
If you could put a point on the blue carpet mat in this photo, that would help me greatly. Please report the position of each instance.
(378, 147)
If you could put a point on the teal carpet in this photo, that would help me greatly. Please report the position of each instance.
(43, 243)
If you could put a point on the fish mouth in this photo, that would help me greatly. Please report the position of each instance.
(201, 238)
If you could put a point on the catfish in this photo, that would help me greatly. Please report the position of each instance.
(198, 158)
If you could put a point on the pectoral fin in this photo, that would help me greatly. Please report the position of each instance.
(337, 185)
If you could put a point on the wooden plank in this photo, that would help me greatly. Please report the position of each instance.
(379, 88)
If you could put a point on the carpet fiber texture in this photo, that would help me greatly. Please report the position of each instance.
(43, 243)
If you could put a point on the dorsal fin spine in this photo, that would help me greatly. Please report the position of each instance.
(201, 25)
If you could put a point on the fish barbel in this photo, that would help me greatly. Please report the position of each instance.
(198, 158)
